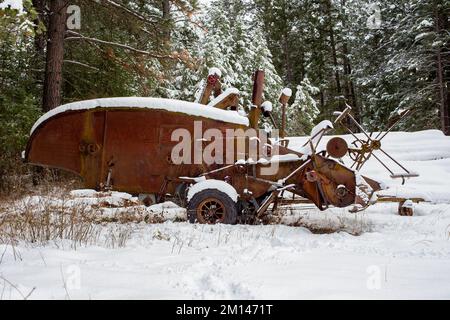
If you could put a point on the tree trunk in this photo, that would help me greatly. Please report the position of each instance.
(55, 54)
(287, 60)
(40, 41)
(441, 25)
(336, 70)
(40, 38)
(334, 55)
(350, 94)
(350, 87)
(166, 20)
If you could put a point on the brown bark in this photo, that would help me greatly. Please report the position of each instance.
(166, 19)
(322, 100)
(350, 94)
(55, 54)
(166, 8)
(287, 60)
(40, 42)
(334, 53)
(441, 25)
(335, 62)
(40, 37)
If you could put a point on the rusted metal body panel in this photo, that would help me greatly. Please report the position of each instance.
(133, 145)
(258, 89)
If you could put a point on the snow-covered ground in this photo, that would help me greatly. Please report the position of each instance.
(374, 254)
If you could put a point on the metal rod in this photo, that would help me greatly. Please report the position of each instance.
(295, 171)
(382, 164)
(351, 132)
(398, 163)
(217, 170)
(273, 121)
(396, 122)
(360, 127)
(408, 112)
(321, 131)
(267, 202)
(283, 120)
(364, 160)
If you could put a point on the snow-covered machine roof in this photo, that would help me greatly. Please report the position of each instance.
(223, 96)
(185, 107)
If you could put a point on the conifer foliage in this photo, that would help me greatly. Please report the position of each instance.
(380, 57)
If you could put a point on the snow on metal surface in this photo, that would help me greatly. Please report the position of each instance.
(223, 96)
(215, 71)
(185, 107)
(287, 92)
(267, 106)
(213, 184)
(316, 136)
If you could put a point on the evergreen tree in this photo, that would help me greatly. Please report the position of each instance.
(403, 72)
(235, 43)
(303, 112)
(19, 107)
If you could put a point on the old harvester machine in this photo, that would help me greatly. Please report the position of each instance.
(127, 144)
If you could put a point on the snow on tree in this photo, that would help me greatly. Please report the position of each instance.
(235, 44)
(397, 62)
(303, 112)
(12, 4)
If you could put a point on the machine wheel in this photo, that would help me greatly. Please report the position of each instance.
(212, 206)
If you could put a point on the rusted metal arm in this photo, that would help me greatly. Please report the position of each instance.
(257, 97)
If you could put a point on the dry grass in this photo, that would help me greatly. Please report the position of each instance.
(48, 213)
(319, 222)
(41, 222)
(45, 220)
(35, 181)
(55, 217)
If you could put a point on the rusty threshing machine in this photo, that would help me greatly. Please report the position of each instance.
(127, 144)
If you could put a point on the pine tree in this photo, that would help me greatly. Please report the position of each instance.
(19, 106)
(399, 67)
(235, 43)
(303, 112)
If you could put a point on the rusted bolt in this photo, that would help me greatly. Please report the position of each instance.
(311, 176)
(169, 159)
(88, 148)
(376, 144)
(93, 148)
(341, 191)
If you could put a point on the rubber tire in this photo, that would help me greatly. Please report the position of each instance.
(231, 212)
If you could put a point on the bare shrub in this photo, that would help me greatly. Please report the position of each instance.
(320, 222)
(19, 179)
(117, 235)
(42, 221)
(39, 219)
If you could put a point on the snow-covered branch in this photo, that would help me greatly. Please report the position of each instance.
(128, 11)
(78, 36)
(81, 64)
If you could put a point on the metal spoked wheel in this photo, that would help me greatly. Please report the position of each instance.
(211, 211)
(212, 206)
